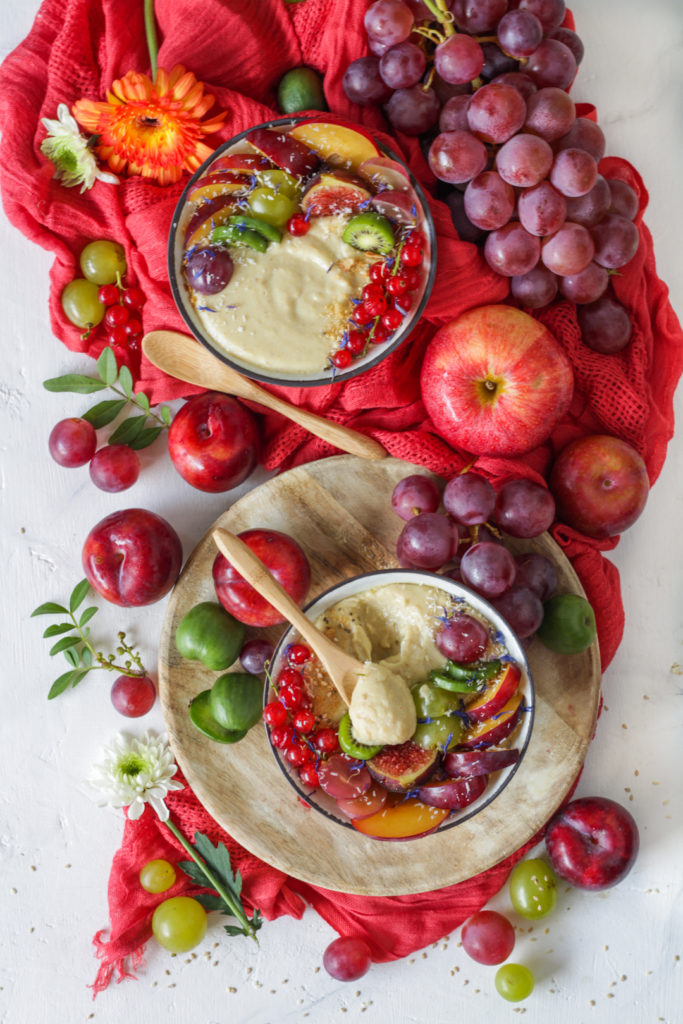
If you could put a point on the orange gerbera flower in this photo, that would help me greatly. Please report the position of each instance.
(152, 128)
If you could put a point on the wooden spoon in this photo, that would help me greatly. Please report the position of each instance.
(185, 359)
(342, 669)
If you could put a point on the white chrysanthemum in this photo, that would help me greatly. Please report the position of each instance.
(74, 161)
(136, 772)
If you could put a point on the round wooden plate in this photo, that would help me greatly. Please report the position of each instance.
(339, 510)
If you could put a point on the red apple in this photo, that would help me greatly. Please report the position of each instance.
(286, 561)
(132, 557)
(600, 485)
(213, 442)
(592, 842)
(495, 382)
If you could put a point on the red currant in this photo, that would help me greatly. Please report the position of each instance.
(298, 654)
(392, 320)
(116, 316)
(356, 342)
(279, 737)
(379, 334)
(404, 303)
(289, 676)
(361, 314)
(133, 328)
(108, 294)
(303, 721)
(397, 285)
(415, 237)
(378, 271)
(117, 336)
(326, 740)
(372, 291)
(342, 358)
(291, 696)
(412, 277)
(309, 775)
(298, 225)
(299, 753)
(376, 306)
(411, 255)
(275, 713)
(134, 298)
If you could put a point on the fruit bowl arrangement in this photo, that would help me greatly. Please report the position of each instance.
(293, 201)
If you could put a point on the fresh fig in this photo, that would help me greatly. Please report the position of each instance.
(402, 767)
(334, 193)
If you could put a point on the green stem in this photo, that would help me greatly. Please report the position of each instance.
(442, 15)
(151, 34)
(102, 662)
(133, 401)
(236, 908)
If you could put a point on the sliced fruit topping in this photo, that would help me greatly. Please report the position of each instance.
(407, 819)
(232, 235)
(280, 181)
(382, 171)
(240, 163)
(431, 701)
(350, 745)
(369, 802)
(466, 764)
(202, 719)
(268, 231)
(207, 216)
(285, 151)
(497, 693)
(334, 193)
(453, 793)
(369, 232)
(439, 733)
(272, 205)
(343, 778)
(337, 145)
(400, 768)
(494, 730)
(217, 185)
(399, 206)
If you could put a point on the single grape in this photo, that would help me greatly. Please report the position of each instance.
(533, 888)
(478, 16)
(541, 209)
(347, 959)
(72, 442)
(550, 13)
(363, 83)
(616, 241)
(462, 638)
(429, 540)
(569, 250)
(81, 303)
(574, 172)
(571, 40)
(537, 573)
(519, 33)
(157, 876)
(102, 260)
(378, 46)
(488, 937)
(514, 982)
(208, 270)
(551, 63)
(488, 568)
(469, 498)
(179, 924)
(272, 205)
(524, 160)
(413, 111)
(402, 65)
(586, 286)
(495, 62)
(114, 468)
(592, 207)
(521, 82)
(390, 20)
(550, 113)
(511, 250)
(524, 508)
(467, 231)
(496, 112)
(453, 116)
(459, 59)
(446, 90)
(255, 655)
(489, 201)
(584, 134)
(522, 610)
(458, 156)
(623, 198)
(415, 494)
(133, 696)
(536, 288)
(605, 325)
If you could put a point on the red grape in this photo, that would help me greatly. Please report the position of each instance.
(488, 568)
(522, 610)
(347, 959)
(550, 13)
(569, 250)
(550, 113)
(415, 494)
(363, 83)
(536, 288)
(413, 111)
(459, 59)
(521, 82)
(571, 41)
(72, 442)
(586, 286)
(458, 156)
(208, 270)
(574, 172)
(467, 231)
(552, 63)
(538, 573)
(496, 62)
(114, 468)
(453, 116)
(133, 696)
(524, 160)
(469, 498)
(541, 209)
(524, 508)
(623, 198)
(488, 937)
(496, 112)
(511, 250)
(616, 241)
(462, 638)
(592, 207)
(254, 656)
(584, 134)
(478, 16)
(402, 65)
(489, 201)
(519, 33)
(343, 778)
(390, 20)
(605, 325)
(428, 540)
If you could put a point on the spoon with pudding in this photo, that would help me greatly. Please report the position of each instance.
(380, 703)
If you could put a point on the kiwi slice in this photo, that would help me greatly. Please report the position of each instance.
(232, 235)
(351, 746)
(202, 719)
(370, 232)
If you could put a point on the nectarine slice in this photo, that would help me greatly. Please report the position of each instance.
(496, 695)
(406, 819)
(338, 145)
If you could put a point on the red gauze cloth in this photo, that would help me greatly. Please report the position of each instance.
(240, 50)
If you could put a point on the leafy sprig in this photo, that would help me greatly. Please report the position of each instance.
(76, 646)
(136, 431)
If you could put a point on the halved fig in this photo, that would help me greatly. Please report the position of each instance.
(497, 693)
(407, 819)
(333, 193)
(286, 152)
(398, 206)
(466, 764)
(206, 217)
(494, 730)
(453, 794)
(213, 185)
(383, 172)
(402, 767)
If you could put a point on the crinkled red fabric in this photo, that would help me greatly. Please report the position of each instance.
(240, 50)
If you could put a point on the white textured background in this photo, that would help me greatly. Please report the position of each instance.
(601, 958)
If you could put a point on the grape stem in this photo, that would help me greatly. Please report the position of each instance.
(442, 15)
(432, 34)
(151, 34)
(109, 662)
(133, 400)
(235, 907)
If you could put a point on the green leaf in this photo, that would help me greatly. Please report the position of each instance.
(218, 860)
(211, 902)
(106, 366)
(64, 644)
(60, 685)
(77, 676)
(73, 657)
(75, 382)
(104, 412)
(165, 413)
(78, 595)
(126, 381)
(57, 629)
(128, 430)
(232, 929)
(86, 657)
(142, 400)
(196, 875)
(145, 438)
(87, 616)
(50, 608)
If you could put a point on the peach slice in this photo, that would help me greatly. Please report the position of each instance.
(494, 730)
(285, 151)
(496, 694)
(217, 185)
(208, 216)
(338, 145)
(406, 819)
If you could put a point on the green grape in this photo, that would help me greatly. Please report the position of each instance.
(514, 982)
(157, 876)
(102, 260)
(80, 303)
(533, 888)
(280, 181)
(444, 732)
(179, 924)
(431, 701)
(274, 207)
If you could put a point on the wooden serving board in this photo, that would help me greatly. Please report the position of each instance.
(339, 510)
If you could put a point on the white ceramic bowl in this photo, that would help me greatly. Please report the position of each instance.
(319, 800)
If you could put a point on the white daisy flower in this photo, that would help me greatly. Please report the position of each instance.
(136, 772)
(74, 161)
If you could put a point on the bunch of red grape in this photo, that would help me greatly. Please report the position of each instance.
(517, 586)
(484, 82)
